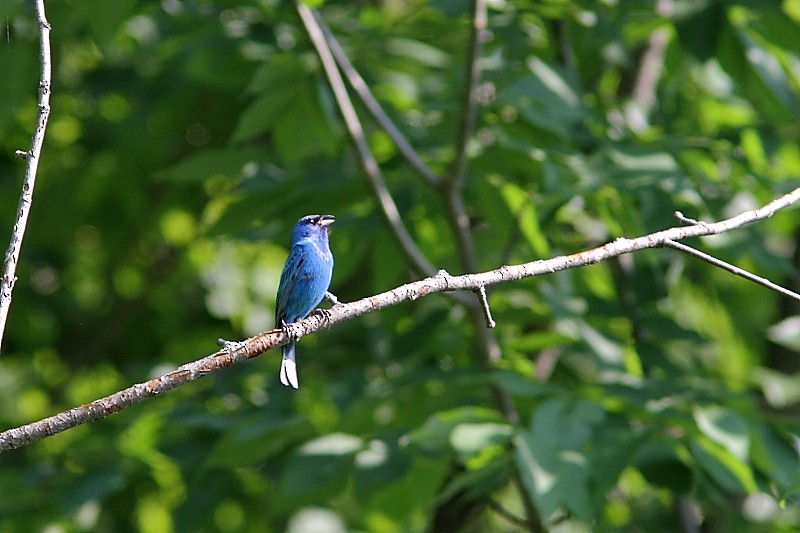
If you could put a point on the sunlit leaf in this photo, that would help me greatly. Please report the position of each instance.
(724, 427)
(723, 466)
(434, 436)
(320, 465)
(551, 459)
(787, 333)
(469, 439)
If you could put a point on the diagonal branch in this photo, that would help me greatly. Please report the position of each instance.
(9, 277)
(453, 183)
(370, 166)
(469, 101)
(373, 106)
(441, 282)
(731, 268)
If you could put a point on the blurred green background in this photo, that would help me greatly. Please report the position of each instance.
(654, 392)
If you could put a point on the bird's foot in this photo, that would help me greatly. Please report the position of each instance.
(288, 331)
(324, 315)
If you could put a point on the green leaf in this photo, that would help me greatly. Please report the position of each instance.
(473, 484)
(545, 99)
(613, 448)
(724, 467)
(779, 389)
(699, 32)
(768, 68)
(550, 455)
(786, 333)
(407, 501)
(470, 439)
(724, 427)
(256, 439)
(557, 479)
(418, 50)
(661, 464)
(290, 107)
(205, 164)
(320, 466)
(105, 20)
(433, 436)
(518, 385)
(523, 210)
(776, 456)
(380, 463)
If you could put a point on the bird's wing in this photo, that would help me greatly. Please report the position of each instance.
(292, 272)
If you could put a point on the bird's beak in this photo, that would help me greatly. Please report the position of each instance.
(326, 220)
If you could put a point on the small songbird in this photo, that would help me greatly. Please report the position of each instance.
(304, 281)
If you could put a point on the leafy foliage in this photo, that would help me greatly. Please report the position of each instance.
(187, 137)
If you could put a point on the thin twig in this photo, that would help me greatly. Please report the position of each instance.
(452, 187)
(460, 226)
(373, 106)
(371, 168)
(731, 268)
(487, 312)
(441, 282)
(508, 515)
(683, 218)
(9, 277)
(469, 101)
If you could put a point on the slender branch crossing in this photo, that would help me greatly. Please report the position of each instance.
(356, 131)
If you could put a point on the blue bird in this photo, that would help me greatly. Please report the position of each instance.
(304, 281)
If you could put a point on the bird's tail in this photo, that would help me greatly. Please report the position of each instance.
(289, 367)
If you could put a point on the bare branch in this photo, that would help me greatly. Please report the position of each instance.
(683, 218)
(31, 157)
(731, 268)
(371, 168)
(441, 282)
(487, 312)
(508, 515)
(460, 226)
(373, 106)
(469, 101)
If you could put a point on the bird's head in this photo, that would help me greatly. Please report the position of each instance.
(311, 226)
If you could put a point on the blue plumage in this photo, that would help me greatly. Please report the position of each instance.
(304, 281)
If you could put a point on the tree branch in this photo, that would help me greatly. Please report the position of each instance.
(508, 515)
(370, 166)
(731, 268)
(373, 106)
(8, 278)
(326, 47)
(469, 101)
(441, 282)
